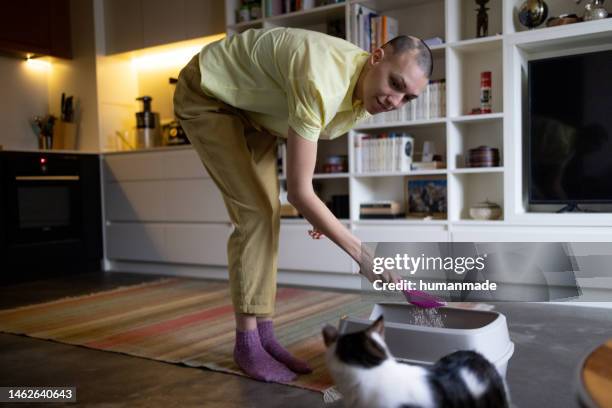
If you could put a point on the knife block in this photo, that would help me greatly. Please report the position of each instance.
(65, 136)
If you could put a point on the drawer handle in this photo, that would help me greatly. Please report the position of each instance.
(45, 178)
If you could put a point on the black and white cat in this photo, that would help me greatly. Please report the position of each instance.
(368, 376)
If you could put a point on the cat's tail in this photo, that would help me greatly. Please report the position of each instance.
(466, 379)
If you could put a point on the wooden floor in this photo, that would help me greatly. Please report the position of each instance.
(116, 380)
(550, 343)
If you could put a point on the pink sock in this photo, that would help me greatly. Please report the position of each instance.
(251, 357)
(272, 346)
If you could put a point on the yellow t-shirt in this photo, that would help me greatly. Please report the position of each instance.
(285, 77)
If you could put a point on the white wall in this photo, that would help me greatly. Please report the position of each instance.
(78, 76)
(23, 94)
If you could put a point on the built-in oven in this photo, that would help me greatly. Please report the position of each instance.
(49, 211)
(45, 198)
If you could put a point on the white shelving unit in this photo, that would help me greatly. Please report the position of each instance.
(460, 61)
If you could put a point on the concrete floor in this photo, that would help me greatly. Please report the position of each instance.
(550, 342)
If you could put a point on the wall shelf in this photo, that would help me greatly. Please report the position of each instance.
(404, 124)
(460, 60)
(476, 45)
(473, 170)
(485, 117)
(400, 174)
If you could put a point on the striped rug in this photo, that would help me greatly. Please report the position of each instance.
(185, 321)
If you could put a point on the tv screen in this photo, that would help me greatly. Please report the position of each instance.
(570, 129)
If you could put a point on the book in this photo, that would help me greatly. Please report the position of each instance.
(380, 209)
(432, 165)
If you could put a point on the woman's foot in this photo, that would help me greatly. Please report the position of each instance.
(273, 347)
(255, 361)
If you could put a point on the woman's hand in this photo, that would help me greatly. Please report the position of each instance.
(315, 234)
(366, 268)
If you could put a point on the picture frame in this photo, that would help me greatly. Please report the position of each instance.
(426, 196)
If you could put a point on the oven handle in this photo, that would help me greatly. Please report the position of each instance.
(47, 178)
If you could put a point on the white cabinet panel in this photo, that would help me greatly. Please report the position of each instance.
(123, 25)
(135, 201)
(298, 251)
(526, 234)
(183, 164)
(136, 166)
(402, 234)
(198, 244)
(194, 200)
(136, 242)
(204, 18)
(163, 21)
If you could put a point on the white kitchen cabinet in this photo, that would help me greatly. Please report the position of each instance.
(196, 200)
(204, 17)
(184, 163)
(123, 25)
(134, 24)
(402, 234)
(132, 167)
(162, 22)
(298, 251)
(136, 242)
(203, 244)
(135, 201)
(531, 234)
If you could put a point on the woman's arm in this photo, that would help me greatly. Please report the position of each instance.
(301, 159)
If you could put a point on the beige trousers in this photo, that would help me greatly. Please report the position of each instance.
(242, 162)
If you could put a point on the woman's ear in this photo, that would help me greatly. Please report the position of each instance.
(377, 56)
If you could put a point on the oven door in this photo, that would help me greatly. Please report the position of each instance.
(45, 208)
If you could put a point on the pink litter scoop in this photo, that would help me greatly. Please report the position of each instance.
(423, 299)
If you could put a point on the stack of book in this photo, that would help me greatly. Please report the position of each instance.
(387, 152)
(276, 7)
(370, 30)
(430, 104)
(380, 209)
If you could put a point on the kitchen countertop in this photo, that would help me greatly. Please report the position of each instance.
(151, 149)
(49, 151)
(148, 150)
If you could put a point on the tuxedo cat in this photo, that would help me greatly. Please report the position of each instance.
(368, 376)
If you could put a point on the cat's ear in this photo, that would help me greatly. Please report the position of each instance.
(330, 334)
(378, 326)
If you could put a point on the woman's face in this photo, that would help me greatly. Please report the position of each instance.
(392, 81)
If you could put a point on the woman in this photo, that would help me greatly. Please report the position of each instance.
(233, 100)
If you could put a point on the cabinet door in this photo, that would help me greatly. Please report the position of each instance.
(183, 164)
(203, 244)
(204, 18)
(196, 200)
(163, 21)
(135, 201)
(402, 234)
(135, 166)
(297, 251)
(136, 242)
(25, 23)
(123, 25)
(36, 27)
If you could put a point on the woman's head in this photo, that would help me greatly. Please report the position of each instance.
(394, 74)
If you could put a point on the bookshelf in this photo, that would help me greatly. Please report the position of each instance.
(459, 60)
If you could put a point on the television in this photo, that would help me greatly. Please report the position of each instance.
(570, 129)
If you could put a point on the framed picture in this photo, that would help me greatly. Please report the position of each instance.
(425, 196)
